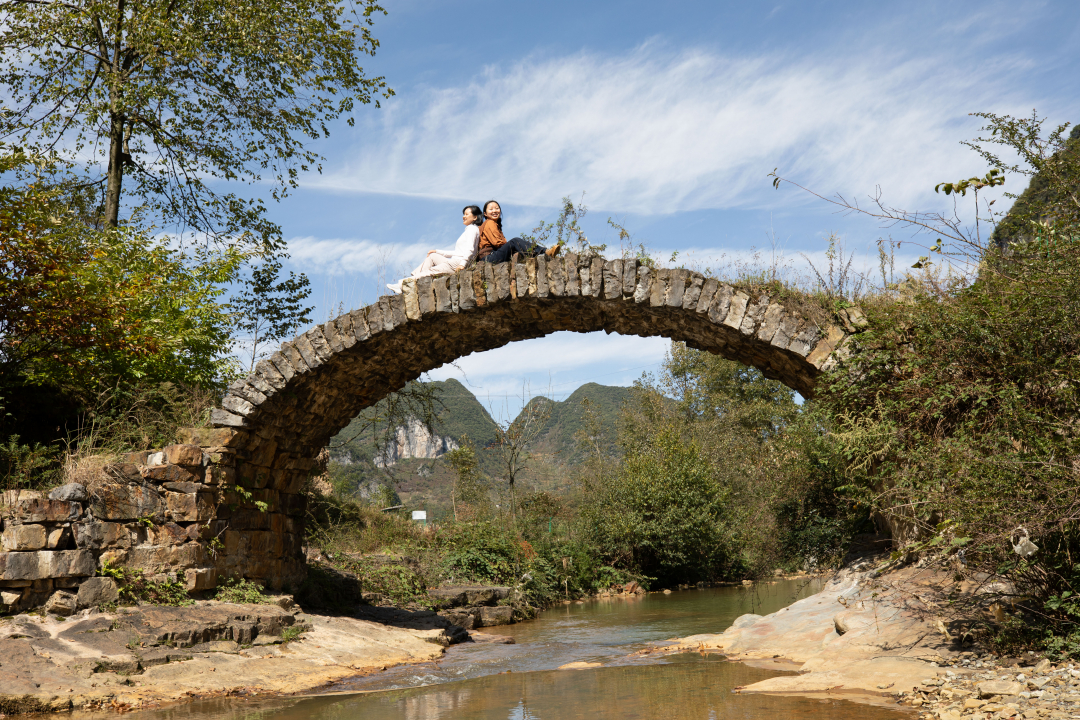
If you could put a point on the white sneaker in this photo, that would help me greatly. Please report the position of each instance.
(396, 287)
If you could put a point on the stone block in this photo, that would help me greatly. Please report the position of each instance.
(162, 474)
(126, 501)
(97, 535)
(199, 579)
(168, 534)
(739, 302)
(189, 507)
(186, 487)
(160, 559)
(46, 564)
(62, 603)
(21, 538)
(223, 418)
(9, 600)
(42, 510)
(59, 538)
(71, 492)
(97, 591)
(238, 405)
(498, 615)
(990, 688)
(187, 454)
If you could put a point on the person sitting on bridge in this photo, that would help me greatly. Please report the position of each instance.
(442, 262)
(495, 248)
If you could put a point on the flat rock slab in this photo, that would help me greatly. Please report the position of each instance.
(858, 637)
(156, 655)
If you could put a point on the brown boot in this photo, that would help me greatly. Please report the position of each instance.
(553, 251)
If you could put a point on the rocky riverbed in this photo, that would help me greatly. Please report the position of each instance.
(153, 655)
(889, 640)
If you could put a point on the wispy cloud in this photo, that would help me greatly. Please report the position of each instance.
(657, 131)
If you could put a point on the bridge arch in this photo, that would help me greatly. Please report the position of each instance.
(272, 424)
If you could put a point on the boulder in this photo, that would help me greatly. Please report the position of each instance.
(990, 688)
(97, 591)
(499, 615)
(21, 538)
(839, 624)
(9, 600)
(61, 603)
(71, 492)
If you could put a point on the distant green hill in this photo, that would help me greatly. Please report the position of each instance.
(426, 483)
(560, 434)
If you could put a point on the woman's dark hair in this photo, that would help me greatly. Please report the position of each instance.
(476, 213)
(499, 221)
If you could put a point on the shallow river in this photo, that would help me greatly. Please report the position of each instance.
(521, 682)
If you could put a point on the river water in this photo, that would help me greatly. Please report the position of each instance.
(522, 682)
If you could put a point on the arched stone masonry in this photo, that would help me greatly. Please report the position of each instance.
(273, 423)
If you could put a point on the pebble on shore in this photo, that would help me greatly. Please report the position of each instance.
(981, 688)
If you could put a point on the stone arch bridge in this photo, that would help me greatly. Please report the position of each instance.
(272, 424)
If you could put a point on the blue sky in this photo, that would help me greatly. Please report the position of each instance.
(669, 118)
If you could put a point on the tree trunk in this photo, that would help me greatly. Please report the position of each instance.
(116, 171)
(116, 124)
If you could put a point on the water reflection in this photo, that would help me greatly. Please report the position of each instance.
(691, 689)
(521, 682)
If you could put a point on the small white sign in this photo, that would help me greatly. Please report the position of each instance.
(419, 515)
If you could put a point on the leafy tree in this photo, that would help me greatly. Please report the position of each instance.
(171, 96)
(83, 306)
(269, 310)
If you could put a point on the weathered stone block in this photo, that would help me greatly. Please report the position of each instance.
(212, 437)
(58, 538)
(573, 277)
(224, 418)
(198, 579)
(630, 275)
(440, 286)
(45, 564)
(238, 405)
(24, 537)
(721, 304)
(97, 591)
(168, 534)
(160, 559)
(41, 510)
(425, 296)
(643, 289)
(500, 615)
(62, 603)
(97, 535)
(125, 501)
(739, 301)
(189, 507)
(187, 455)
(71, 492)
(161, 474)
(319, 343)
(613, 279)
(412, 300)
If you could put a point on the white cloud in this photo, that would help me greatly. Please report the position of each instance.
(656, 131)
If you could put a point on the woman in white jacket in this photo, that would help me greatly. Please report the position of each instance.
(442, 262)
